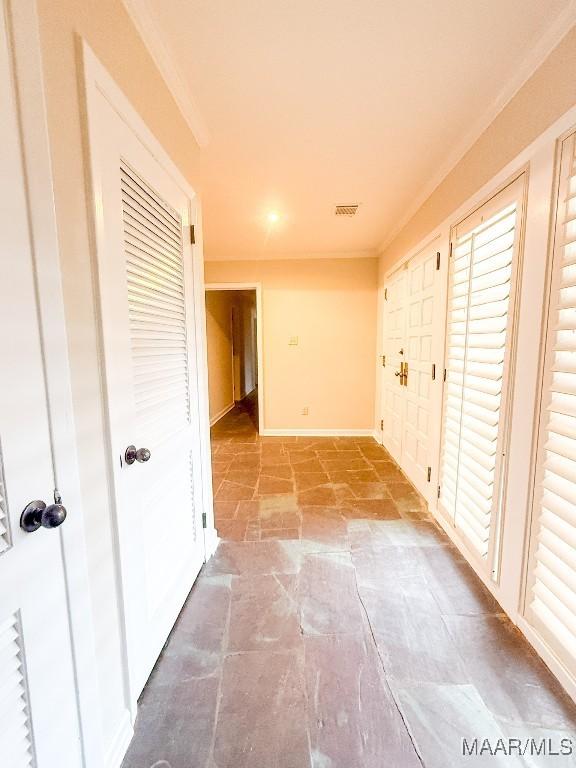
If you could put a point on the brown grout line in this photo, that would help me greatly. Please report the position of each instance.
(385, 675)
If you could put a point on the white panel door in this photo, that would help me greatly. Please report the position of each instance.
(410, 342)
(38, 722)
(147, 307)
(393, 400)
(418, 356)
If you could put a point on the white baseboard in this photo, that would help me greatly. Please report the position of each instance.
(377, 435)
(211, 541)
(120, 743)
(317, 433)
(221, 414)
(548, 656)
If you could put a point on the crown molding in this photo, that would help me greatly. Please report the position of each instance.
(289, 255)
(143, 19)
(551, 37)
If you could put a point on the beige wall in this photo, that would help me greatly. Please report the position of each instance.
(330, 304)
(108, 30)
(219, 343)
(547, 95)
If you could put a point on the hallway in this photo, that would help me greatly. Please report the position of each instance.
(336, 627)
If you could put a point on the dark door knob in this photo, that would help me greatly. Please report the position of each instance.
(38, 515)
(132, 454)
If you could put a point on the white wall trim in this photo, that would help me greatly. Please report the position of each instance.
(537, 54)
(557, 668)
(212, 540)
(318, 433)
(120, 742)
(259, 340)
(24, 30)
(143, 19)
(220, 415)
(292, 255)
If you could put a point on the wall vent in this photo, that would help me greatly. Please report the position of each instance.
(346, 210)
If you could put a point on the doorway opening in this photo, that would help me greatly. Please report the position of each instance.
(233, 327)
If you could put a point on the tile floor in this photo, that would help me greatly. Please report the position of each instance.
(336, 627)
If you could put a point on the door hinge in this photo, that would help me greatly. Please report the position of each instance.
(429, 473)
(438, 491)
(383, 361)
(437, 259)
(444, 374)
(203, 519)
(385, 294)
(382, 424)
(192, 235)
(450, 251)
(433, 371)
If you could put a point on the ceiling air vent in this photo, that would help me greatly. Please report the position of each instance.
(346, 210)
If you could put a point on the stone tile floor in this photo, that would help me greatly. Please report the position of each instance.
(337, 627)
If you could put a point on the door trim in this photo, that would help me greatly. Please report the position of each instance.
(23, 28)
(98, 82)
(258, 288)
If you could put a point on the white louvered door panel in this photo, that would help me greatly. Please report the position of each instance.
(480, 315)
(147, 300)
(16, 740)
(551, 594)
(38, 716)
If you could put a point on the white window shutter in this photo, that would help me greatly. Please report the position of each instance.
(479, 324)
(552, 566)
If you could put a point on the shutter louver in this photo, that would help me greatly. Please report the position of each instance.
(481, 279)
(4, 524)
(16, 745)
(155, 273)
(553, 560)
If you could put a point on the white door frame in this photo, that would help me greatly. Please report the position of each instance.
(22, 23)
(98, 82)
(258, 288)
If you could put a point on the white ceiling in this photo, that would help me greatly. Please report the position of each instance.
(305, 104)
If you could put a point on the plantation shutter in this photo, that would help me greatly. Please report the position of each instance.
(553, 559)
(482, 278)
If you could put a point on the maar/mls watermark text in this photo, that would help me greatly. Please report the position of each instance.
(545, 747)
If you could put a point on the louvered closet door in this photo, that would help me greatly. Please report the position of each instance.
(38, 719)
(551, 594)
(480, 315)
(147, 297)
